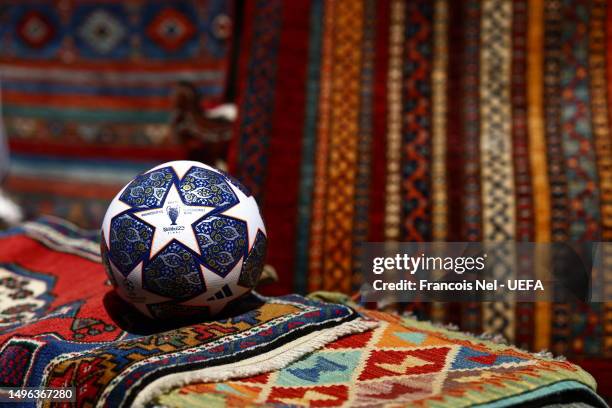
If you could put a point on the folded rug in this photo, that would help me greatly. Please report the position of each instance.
(404, 362)
(62, 326)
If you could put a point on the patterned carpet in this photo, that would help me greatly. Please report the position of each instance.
(436, 120)
(87, 92)
(403, 362)
(284, 350)
(54, 333)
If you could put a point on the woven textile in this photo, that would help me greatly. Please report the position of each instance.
(56, 333)
(93, 79)
(421, 121)
(403, 363)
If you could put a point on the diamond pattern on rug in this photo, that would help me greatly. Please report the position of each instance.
(315, 397)
(396, 390)
(468, 358)
(102, 31)
(170, 29)
(332, 367)
(91, 340)
(404, 362)
(385, 363)
(403, 337)
(35, 29)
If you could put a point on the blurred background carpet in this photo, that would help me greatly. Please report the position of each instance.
(86, 92)
(432, 121)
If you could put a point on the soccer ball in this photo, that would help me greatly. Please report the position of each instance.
(183, 239)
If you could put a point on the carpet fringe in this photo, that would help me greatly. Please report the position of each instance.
(500, 339)
(492, 337)
(270, 361)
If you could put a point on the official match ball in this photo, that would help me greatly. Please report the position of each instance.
(183, 239)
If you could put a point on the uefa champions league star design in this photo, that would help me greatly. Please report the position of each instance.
(117, 208)
(218, 289)
(128, 287)
(247, 211)
(174, 218)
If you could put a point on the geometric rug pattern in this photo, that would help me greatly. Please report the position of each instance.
(403, 362)
(55, 333)
(87, 93)
(417, 121)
